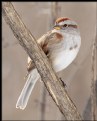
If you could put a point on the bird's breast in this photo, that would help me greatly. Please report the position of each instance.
(61, 56)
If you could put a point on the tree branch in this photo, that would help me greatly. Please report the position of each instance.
(51, 81)
(94, 76)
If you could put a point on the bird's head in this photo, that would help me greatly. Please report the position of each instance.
(64, 23)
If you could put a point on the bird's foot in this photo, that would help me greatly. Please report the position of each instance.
(64, 84)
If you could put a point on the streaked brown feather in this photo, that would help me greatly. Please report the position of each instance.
(30, 66)
(44, 45)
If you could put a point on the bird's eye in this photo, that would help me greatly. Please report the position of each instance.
(65, 25)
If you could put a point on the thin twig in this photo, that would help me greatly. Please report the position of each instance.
(50, 79)
(93, 84)
(94, 71)
(55, 10)
(43, 104)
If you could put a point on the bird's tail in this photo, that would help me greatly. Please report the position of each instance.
(28, 87)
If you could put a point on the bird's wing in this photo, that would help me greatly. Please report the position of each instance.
(42, 41)
(47, 39)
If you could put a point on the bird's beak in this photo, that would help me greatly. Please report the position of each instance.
(57, 27)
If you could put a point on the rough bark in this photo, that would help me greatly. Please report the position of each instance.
(94, 75)
(51, 81)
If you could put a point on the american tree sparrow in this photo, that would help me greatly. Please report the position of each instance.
(61, 47)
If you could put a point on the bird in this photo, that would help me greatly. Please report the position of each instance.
(61, 45)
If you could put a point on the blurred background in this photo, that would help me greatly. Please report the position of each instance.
(39, 18)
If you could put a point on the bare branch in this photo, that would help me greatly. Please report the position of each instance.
(51, 81)
(94, 76)
(55, 9)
